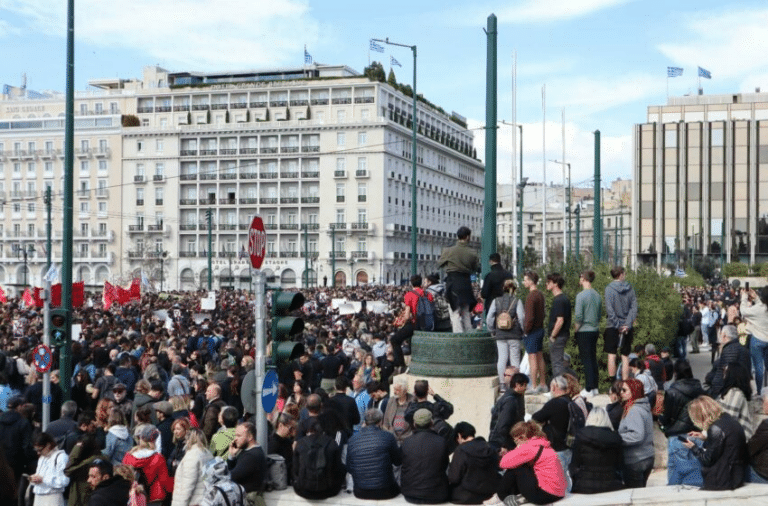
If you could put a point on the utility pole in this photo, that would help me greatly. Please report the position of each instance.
(490, 205)
(333, 255)
(577, 211)
(521, 185)
(209, 212)
(597, 221)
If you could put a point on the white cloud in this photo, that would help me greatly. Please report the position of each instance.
(615, 153)
(528, 11)
(7, 30)
(192, 33)
(729, 43)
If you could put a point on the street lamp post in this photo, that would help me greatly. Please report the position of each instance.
(415, 129)
(23, 249)
(577, 212)
(566, 228)
(163, 255)
(521, 185)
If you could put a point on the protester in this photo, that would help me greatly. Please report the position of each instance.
(508, 410)
(597, 456)
(621, 308)
(460, 262)
(495, 281)
(731, 351)
(318, 472)
(425, 459)
(119, 440)
(146, 458)
(586, 320)
(246, 460)
(754, 311)
(559, 322)
(736, 394)
(49, 479)
(410, 311)
(636, 431)
(394, 418)
(189, 486)
(724, 454)
(758, 449)
(533, 333)
(474, 470)
(109, 488)
(371, 455)
(508, 339)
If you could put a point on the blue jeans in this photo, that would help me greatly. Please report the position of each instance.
(682, 467)
(565, 457)
(681, 343)
(753, 477)
(759, 351)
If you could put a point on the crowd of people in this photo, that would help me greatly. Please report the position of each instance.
(155, 413)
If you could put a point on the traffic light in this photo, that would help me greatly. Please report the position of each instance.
(286, 327)
(59, 327)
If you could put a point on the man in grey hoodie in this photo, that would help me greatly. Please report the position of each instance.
(621, 308)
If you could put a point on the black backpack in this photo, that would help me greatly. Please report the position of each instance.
(576, 420)
(315, 472)
(425, 313)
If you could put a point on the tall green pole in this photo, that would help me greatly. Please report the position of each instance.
(521, 185)
(333, 255)
(210, 248)
(306, 256)
(65, 357)
(597, 220)
(489, 214)
(415, 125)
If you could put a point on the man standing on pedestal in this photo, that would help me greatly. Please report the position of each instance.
(587, 320)
(460, 262)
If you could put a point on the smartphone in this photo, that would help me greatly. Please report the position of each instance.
(746, 286)
(683, 439)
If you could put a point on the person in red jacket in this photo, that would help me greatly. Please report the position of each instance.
(532, 469)
(146, 459)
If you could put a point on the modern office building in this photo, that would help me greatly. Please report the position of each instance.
(701, 180)
(321, 153)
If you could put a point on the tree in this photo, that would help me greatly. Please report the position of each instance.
(375, 72)
(391, 79)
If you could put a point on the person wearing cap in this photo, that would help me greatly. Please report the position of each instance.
(145, 457)
(119, 396)
(164, 412)
(423, 478)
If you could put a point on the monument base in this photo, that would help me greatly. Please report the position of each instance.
(472, 398)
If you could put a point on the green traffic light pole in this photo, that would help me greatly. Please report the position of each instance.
(65, 352)
(489, 208)
(46, 415)
(415, 129)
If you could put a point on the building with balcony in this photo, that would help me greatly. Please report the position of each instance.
(701, 180)
(321, 153)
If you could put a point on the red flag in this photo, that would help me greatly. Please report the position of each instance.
(27, 297)
(109, 295)
(123, 295)
(37, 295)
(3, 298)
(135, 289)
(78, 294)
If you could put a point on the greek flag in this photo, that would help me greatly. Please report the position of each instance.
(376, 47)
(52, 274)
(674, 71)
(680, 273)
(394, 62)
(706, 74)
(307, 56)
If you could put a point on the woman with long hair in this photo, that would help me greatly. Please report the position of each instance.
(507, 339)
(80, 459)
(754, 312)
(230, 388)
(189, 484)
(49, 480)
(723, 455)
(119, 440)
(79, 390)
(597, 456)
(180, 428)
(369, 370)
(636, 431)
(736, 394)
(146, 458)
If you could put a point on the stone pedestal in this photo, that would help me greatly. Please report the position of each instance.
(472, 398)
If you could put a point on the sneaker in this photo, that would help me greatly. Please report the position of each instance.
(493, 501)
(511, 500)
(584, 393)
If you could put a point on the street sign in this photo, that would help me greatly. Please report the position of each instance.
(42, 358)
(257, 242)
(269, 392)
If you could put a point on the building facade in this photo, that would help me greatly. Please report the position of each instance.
(321, 153)
(701, 180)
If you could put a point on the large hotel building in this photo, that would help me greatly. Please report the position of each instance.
(321, 153)
(701, 180)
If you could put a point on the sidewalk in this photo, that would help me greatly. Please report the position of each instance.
(654, 494)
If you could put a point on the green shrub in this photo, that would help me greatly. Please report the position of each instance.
(735, 270)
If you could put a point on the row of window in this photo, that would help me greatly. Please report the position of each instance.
(49, 146)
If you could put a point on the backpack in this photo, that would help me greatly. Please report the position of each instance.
(315, 474)
(277, 473)
(576, 420)
(504, 319)
(425, 313)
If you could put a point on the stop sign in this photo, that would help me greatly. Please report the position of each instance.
(257, 242)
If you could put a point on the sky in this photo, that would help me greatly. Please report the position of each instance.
(602, 62)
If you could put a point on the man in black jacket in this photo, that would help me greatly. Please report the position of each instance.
(731, 350)
(246, 460)
(344, 405)
(425, 459)
(371, 453)
(508, 410)
(474, 470)
(108, 489)
(493, 284)
(16, 437)
(554, 416)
